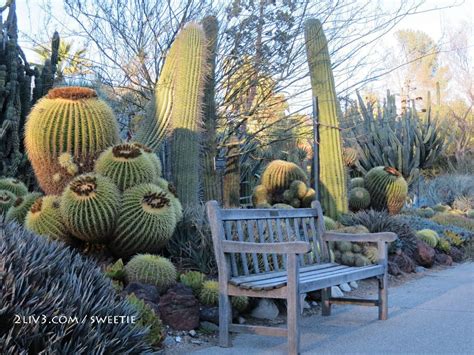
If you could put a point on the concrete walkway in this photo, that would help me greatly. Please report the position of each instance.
(431, 315)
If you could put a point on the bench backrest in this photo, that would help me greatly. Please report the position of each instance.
(265, 226)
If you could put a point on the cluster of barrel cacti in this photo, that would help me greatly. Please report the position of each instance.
(354, 253)
(15, 200)
(383, 188)
(432, 238)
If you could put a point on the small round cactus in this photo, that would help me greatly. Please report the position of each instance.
(372, 253)
(360, 260)
(147, 220)
(425, 212)
(151, 269)
(343, 246)
(287, 195)
(348, 258)
(470, 213)
(7, 199)
(359, 199)
(89, 207)
(295, 203)
(44, 218)
(155, 160)
(260, 195)
(209, 294)
(194, 280)
(169, 187)
(441, 208)
(357, 229)
(126, 165)
(429, 236)
(329, 223)
(20, 208)
(350, 156)
(240, 303)
(356, 182)
(309, 197)
(279, 174)
(282, 206)
(444, 245)
(356, 248)
(13, 185)
(298, 189)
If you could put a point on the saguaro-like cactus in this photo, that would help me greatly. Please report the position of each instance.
(331, 164)
(68, 120)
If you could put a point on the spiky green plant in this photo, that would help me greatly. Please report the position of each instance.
(388, 189)
(20, 208)
(240, 303)
(332, 177)
(441, 208)
(350, 156)
(348, 258)
(425, 212)
(7, 199)
(359, 199)
(298, 189)
(448, 219)
(470, 214)
(155, 160)
(260, 195)
(343, 246)
(429, 236)
(169, 187)
(116, 271)
(357, 182)
(444, 245)
(329, 223)
(278, 176)
(89, 207)
(151, 269)
(308, 198)
(194, 280)
(13, 185)
(126, 165)
(361, 260)
(209, 294)
(44, 218)
(372, 253)
(147, 318)
(68, 120)
(147, 220)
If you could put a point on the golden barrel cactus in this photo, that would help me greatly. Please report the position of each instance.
(69, 120)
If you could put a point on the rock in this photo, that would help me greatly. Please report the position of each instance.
(208, 326)
(336, 292)
(345, 287)
(266, 309)
(456, 254)
(179, 308)
(192, 333)
(404, 262)
(304, 305)
(169, 341)
(443, 259)
(241, 320)
(209, 314)
(178, 339)
(353, 284)
(424, 254)
(148, 293)
(393, 269)
(314, 304)
(419, 269)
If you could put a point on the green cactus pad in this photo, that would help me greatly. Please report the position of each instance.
(194, 280)
(388, 189)
(359, 199)
(169, 187)
(356, 182)
(210, 293)
(89, 207)
(147, 220)
(429, 236)
(7, 199)
(44, 218)
(20, 208)
(13, 185)
(151, 269)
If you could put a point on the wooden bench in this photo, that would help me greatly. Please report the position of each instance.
(278, 253)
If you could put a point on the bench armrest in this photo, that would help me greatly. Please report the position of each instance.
(363, 237)
(265, 248)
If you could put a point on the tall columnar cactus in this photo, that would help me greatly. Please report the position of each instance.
(231, 191)
(20, 208)
(126, 165)
(186, 116)
(209, 152)
(147, 220)
(388, 189)
(278, 176)
(44, 218)
(68, 120)
(331, 165)
(89, 207)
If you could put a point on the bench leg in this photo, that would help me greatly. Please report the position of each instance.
(293, 306)
(383, 297)
(325, 304)
(225, 318)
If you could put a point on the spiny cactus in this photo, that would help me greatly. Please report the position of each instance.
(7, 199)
(278, 176)
(350, 156)
(66, 161)
(148, 152)
(360, 260)
(348, 258)
(209, 294)
(388, 189)
(151, 269)
(169, 187)
(444, 245)
(356, 248)
(359, 199)
(89, 207)
(194, 280)
(13, 185)
(356, 229)
(44, 218)
(343, 246)
(126, 165)
(329, 223)
(282, 206)
(240, 303)
(20, 208)
(356, 182)
(429, 236)
(260, 195)
(425, 212)
(470, 214)
(68, 120)
(147, 220)
(308, 198)
(332, 173)
(298, 189)
(372, 253)
(441, 208)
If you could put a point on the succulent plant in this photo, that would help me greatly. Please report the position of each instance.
(282, 206)
(356, 229)
(337, 256)
(263, 205)
(298, 189)
(359, 199)
(388, 189)
(169, 187)
(146, 221)
(454, 238)
(332, 174)
(448, 219)
(240, 303)
(444, 245)
(356, 248)
(372, 253)
(89, 207)
(309, 198)
(13, 185)
(429, 236)
(329, 223)
(356, 182)
(147, 318)
(67, 120)
(151, 269)
(194, 280)
(287, 196)
(425, 212)
(20, 207)
(470, 213)
(360, 260)
(116, 271)
(441, 208)
(278, 176)
(348, 258)
(209, 294)
(155, 160)
(44, 218)
(260, 195)
(343, 246)
(350, 156)
(125, 165)
(295, 203)
(7, 199)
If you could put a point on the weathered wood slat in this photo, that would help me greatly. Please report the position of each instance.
(279, 248)
(261, 237)
(311, 256)
(251, 238)
(274, 256)
(258, 329)
(362, 237)
(355, 301)
(240, 234)
(298, 237)
(275, 293)
(245, 214)
(233, 262)
(280, 237)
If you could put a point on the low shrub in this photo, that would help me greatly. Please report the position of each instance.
(445, 189)
(448, 219)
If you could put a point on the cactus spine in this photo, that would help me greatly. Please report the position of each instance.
(13, 185)
(388, 189)
(151, 269)
(20, 208)
(44, 218)
(359, 199)
(68, 120)
(332, 173)
(278, 176)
